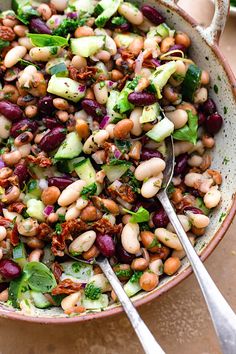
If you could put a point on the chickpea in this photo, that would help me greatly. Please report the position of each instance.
(116, 75)
(148, 281)
(82, 128)
(83, 31)
(205, 77)
(61, 104)
(31, 111)
(50, 195)
(149, 240)
(182, 38)
(139, 264)
(92, 252)
(90, 213)
(171, 265)
(166, 44)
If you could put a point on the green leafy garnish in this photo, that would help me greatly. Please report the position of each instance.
(92, 291)
(132, 182)
(88, 191)
(141, 215)
(25, 12)
(123, 145)
(46, 40)
(24, 62)
(3, 44)
(118, 21)
(124, 273)
(136, 276)
(68, 25)
(58, 228)
(189, 131)
(117, 162)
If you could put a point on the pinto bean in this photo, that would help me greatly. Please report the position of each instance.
(123, 128)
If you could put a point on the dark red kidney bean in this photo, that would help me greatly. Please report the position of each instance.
(152, 14)
(59, 182)
(160, 218)
(21, 171)
(193, 210)
(52, 139)
(45, 105)
(209, 107)
(214, 123)
(11, 111)
(150, 204)
(51, 123)
(94, 109)
(23, 126)
(123, 256)
(105, 244)
(3, 286)
(201, 118)
(9, 269)
(38, 26)
(177, 47)
(181, 164)
(147, 154)
(142, 98)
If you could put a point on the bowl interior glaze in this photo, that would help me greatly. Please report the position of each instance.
(223, 157)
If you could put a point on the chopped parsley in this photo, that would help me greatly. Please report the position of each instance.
(123, 145)
(68, 25)
(226, 160)
(136, 276)
(132, 182)
(88, 191)
(222, 216)
(92, 291)
(3, 44)
(225, 110)
(58, 228)
(216, 89)
(118, 21)
(124, 273)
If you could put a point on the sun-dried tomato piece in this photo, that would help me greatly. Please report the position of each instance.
(14, 236)
(125, 192)
(104, 226)
(17, 207)
(44, 232)
(66, 286)
(6, 33)
(40, 160)
(57, 271)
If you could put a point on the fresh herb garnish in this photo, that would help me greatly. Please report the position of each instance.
(141, 215)
(3, 44)
(136, 276)
(68, 25)
(25, 12)
(124, 273)
(123, 145)
(92, 291)
(117, 162)
(24, 62)
(58, 228)
(216, 89)
(46, 40)
(189, 131)
(222, 216)
(118, 21)
(132, 181)
(88, 191)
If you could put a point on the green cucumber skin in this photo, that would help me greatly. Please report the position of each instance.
(70, 148)
(191, 82)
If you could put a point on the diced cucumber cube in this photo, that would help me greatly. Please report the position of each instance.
(66, 88)
(87, 46)
(161, 130)
(70, 148)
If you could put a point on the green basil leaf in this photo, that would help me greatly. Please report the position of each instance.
(46, 40)
(139, 216)
(40, 278)
(189, 131)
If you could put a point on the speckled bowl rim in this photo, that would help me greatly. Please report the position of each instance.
(181, 276)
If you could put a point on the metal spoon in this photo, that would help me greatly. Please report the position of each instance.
(223, 317)
(146, 338)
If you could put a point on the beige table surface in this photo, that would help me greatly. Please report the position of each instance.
(178, 319)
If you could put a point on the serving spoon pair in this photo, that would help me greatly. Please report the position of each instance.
(223, 317)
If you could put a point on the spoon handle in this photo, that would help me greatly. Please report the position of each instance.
(223, 317)
(147, 340)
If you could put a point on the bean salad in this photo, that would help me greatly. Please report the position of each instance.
(90, 90)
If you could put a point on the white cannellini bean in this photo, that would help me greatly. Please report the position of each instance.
(44, 53)
(129, 238)
(181, 147)
(101, 93)
(70, 301)
(72, 213)
(168, 238)
(25, 42)
(95, 140)
(179, 117)
(11, 215)
(195, 161)
(5, 126)
(24, 150)
(14, 55)
(150, 168)
(156, 266)
(135, 118)
(100, 281)
(201, 95)
(198, 220)
(184, 222)
(131, 13)
(212, 197)
(71, 193)
(198, 181)
(83, 242)
(81, 203)
(151, 186)
(3, 233)
(60, 5)
(181, 254)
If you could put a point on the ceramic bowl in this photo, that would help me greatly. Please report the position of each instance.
(206, 54)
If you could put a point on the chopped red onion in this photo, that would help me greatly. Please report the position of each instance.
(48, 210)
(104, 122)
(117, 153)
(2, 164)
